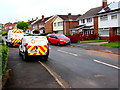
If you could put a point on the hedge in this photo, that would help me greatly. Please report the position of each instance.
(3, 58)
(79, 37)
(4, 33)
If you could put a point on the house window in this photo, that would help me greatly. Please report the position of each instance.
(114, 16)
(104, 32)
(117, 31)
(54, 24)
(104, 18)
(89, 20)
(83, 21)
(60, 23)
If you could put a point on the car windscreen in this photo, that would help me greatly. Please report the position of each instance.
(61, 36)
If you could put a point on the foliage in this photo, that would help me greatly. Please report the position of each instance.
(4, 33)
(76, 37)
(0, 32)
(3, 58)
(112, 44)
(36, 31)
(67, 34)
(89, 41)
(22, 25)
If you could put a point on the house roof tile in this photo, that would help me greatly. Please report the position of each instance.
(42, 20)
(90, 13)
(66, 17)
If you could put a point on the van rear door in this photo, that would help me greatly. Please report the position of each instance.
(37, 45)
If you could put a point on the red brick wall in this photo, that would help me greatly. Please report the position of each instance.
(69, 24)
(113, 36)
(49, 26)
(96, 26)
(104, 38)
(8, 27)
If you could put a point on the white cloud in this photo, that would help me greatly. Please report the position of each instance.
(27, 9)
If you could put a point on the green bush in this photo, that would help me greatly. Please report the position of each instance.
(67, 34)
(4, 33)
(36, 31)
(0, 32)
(3, 58)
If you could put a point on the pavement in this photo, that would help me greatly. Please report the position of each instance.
(95, 46)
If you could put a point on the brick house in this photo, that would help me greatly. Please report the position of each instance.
(30, 28)
(109, 22)
(88, 22)
(62, 23)
(44, 24)
(10, 26)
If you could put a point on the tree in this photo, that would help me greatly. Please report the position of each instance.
(22, 25)
(36, 31)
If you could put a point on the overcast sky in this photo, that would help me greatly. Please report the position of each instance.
(22, 10)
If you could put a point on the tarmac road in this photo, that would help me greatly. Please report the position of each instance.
(70, 67)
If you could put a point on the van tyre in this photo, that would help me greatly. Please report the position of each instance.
(20, 53)
(25, 57)
(46, 58)
(8, 44)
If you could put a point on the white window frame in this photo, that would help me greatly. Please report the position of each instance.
(60, 23)
(104, 18)
(114, 16)
(83, 21)
(55, 24)
(89, 20)
(102, 30)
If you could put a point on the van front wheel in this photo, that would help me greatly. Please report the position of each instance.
(25, 57)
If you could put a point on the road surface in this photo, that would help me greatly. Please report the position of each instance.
(67, 67)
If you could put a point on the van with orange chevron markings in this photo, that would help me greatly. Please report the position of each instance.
(14, 37)
(34, 46)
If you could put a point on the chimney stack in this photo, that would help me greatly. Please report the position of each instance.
(42, 17)
(69, 16)
(104, 3)
(36, 17)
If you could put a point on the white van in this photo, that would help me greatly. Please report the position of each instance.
(34, 46)
(14, 37)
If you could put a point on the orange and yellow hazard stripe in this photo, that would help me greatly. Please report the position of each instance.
(17, 31)
(16, 40)
(40, 50)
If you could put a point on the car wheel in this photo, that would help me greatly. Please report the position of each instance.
(58, 43)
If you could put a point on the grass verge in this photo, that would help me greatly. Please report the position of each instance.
(89, 41)
(112, 44)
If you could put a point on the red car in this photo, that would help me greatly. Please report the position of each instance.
(59, 39)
